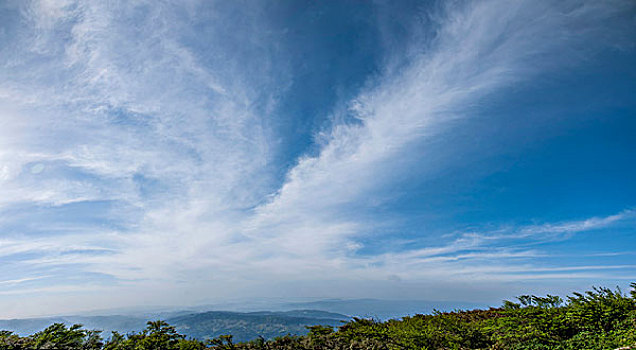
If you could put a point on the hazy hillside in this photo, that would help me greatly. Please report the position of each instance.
(380, 308)
(243, 326)
(247, 326)
(122, 324)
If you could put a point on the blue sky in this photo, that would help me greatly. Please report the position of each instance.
(188, 152)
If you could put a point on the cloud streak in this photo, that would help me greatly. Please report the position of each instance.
(113, 103)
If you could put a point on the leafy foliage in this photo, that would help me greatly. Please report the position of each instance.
(598, 319)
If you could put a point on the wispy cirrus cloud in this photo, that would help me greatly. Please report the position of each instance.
(126, 103)
(492, 252)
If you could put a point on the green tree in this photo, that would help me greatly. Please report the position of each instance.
(159, 335)
(57, 336)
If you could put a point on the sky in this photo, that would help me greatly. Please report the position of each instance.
(190, 152)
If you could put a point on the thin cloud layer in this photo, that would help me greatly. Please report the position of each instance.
(140, 149)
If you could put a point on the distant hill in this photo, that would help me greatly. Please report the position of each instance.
(202, 325)
(247, 326)
(122, 324)
(382, 309)
(379, 308)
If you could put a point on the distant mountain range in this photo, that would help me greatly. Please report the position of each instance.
(119, 323)
(380, 309)
(286, 317)
(247, 326)
(242, 326)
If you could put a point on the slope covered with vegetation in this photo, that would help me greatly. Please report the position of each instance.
(598, 319)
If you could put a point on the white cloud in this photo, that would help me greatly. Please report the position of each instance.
(108, 91)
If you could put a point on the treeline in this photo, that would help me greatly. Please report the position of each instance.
(598, 319)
